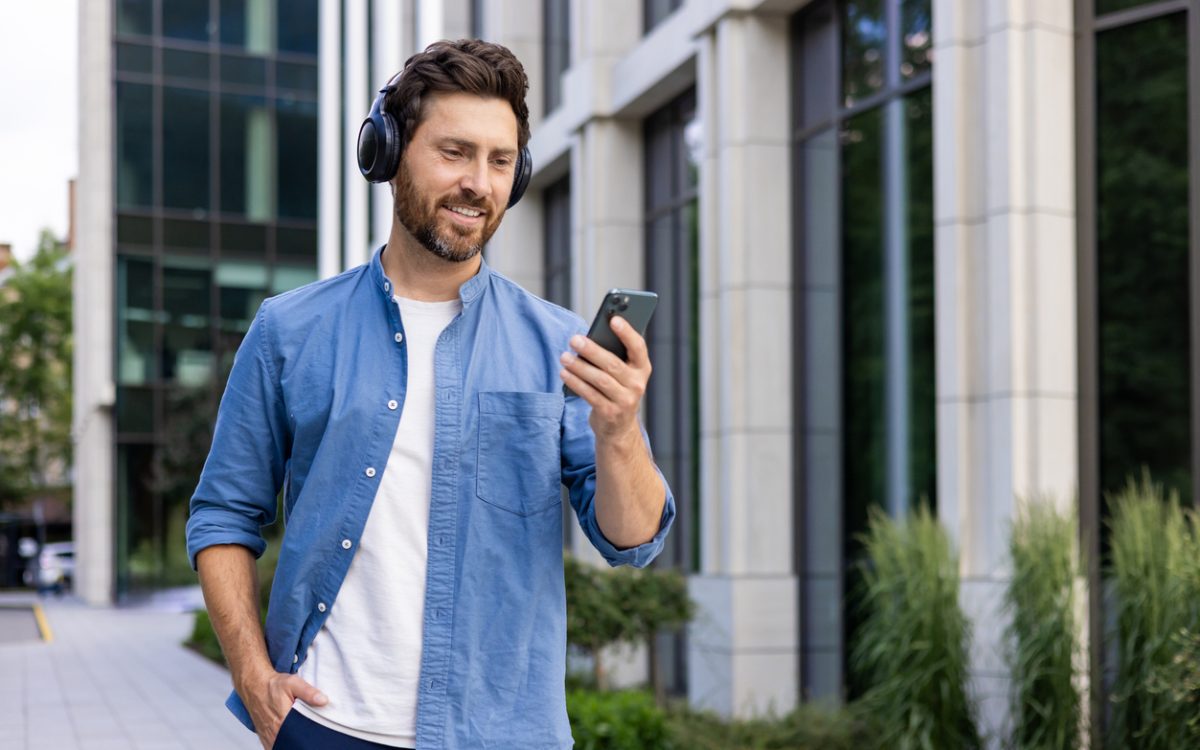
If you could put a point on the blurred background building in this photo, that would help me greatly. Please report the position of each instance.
(908, 251)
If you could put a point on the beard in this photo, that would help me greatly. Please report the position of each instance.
(443, 238)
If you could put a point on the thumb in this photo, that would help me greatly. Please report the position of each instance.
(306, 692)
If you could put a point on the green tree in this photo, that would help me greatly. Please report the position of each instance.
(35, 373)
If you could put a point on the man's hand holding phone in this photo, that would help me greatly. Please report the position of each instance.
(613, 387)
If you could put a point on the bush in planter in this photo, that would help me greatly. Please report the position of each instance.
(808, 727)
(1155, 591)
(911, 649)
(1044, 631)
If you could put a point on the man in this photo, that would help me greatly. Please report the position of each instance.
(411, 412)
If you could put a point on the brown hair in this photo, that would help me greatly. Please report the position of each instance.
(469, 65)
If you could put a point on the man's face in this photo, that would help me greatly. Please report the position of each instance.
(456, 174)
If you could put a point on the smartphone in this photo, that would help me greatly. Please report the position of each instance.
(634, 306)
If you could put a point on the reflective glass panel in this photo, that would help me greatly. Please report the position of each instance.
(187, 352)
(135, 58)
(1142, 252)
(135, 321)
(185, 19)
(1108, 6)
(917, 42)
(247, 157)
(297, 28)
(179, 63)
(922, 376)
(135, 16)
(243, 71)
(185, 148)
(864, 34)
(298, 76)
(249, 24)
(135, 145)
(243, 286)
(296, 159)
(556, 28)
(556, 236)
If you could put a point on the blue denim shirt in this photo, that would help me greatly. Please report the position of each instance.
(306, 410)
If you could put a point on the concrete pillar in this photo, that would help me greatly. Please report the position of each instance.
(744, 644)
(1005, 291)
(94, 510)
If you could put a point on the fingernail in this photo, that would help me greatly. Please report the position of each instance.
(617, 323)
(577, 341)
(566, 358)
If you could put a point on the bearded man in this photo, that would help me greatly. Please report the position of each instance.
(411, 412)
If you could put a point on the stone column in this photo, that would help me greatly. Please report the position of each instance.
(744, 644)
(1005, 289)
(94, 509)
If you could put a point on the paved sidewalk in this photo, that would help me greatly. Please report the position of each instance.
(113, 679)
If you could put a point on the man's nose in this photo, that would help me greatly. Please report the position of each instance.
(476, 180)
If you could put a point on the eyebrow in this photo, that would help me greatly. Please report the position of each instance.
(471, 146)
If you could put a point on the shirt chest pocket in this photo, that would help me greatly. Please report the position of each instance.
(519, 455)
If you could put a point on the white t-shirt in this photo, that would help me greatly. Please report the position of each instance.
(367, 656)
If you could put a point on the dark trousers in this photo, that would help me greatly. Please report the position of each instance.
(299, 732)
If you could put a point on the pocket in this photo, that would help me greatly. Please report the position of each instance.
(281, 741)
(518, 466)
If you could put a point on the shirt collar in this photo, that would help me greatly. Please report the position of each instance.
(468, 292)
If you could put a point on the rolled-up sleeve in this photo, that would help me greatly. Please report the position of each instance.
(236, 494)
(579, 476)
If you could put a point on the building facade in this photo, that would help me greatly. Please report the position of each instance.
(198, 199)
(908, 251)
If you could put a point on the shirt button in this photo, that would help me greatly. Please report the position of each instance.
(387, 287)
(393, 404)
(370, 471)
(295, 658)
(321, 607)
(346, 544)
(399, 337)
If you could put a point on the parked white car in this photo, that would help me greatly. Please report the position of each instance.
(54, 568)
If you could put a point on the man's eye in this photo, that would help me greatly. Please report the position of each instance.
(502, 163)
(452, 153)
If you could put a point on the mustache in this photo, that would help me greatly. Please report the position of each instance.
(461, 199)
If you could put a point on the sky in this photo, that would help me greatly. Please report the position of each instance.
(39, 124)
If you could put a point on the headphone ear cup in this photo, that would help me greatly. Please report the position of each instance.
(379, 144)
(521, 175)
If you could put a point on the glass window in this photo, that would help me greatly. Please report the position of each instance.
(243, 287)
(477, 19)
(138, 511)
(186, 233)
(249, 24)
(917, 38)
(179, 63)
(286, 277)
(135, 321)
(135, 58)
(186, 19)
(185, 148)
(135, 17)
(556, 28)
(297, 29)
(135, 409)
(247, 157)
(187, 351)
(134, 230)
(298, 76)
(243, 71)
(1108, 6)
(135, 145)
(672, 399)
(1142, 253)
(864, 35)
(655, 11)
(556, 237)
(296, 244)
(296, 160)
(244, 239)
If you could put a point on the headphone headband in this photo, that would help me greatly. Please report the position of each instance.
(381, 143)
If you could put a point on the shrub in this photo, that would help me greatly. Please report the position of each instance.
(622, 605)
(1153, 555)
(1043, 632)
(808, 727)
(911, 648)
(623, 720)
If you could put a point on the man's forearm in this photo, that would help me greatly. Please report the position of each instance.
(629, 493)
(229, 580)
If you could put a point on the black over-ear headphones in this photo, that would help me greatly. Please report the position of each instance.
(381, 141)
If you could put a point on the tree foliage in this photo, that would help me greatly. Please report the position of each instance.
(35, 372)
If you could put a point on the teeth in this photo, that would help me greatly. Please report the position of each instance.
(465, 211)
